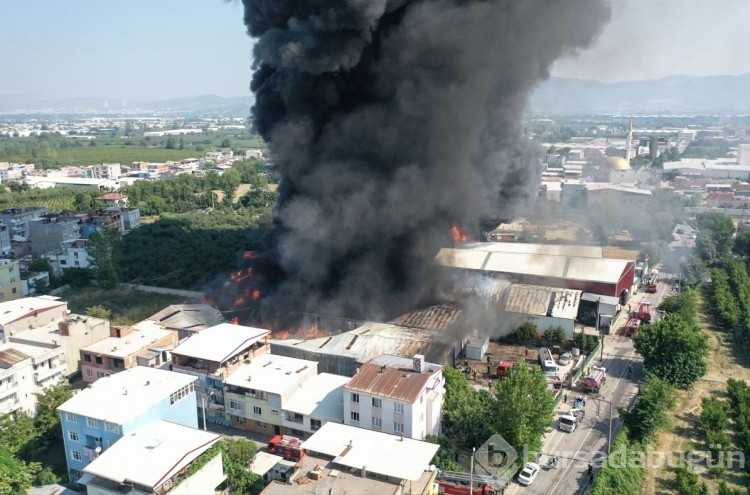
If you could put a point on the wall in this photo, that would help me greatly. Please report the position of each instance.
(205, 480)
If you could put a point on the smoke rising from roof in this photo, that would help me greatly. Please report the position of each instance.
(391, 120)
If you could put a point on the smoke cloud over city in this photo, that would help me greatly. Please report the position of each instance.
(389, 122)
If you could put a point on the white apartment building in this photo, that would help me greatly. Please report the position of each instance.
(25, 370)
(396, 395)
(72, 254)
(104, 171)
(316, 401)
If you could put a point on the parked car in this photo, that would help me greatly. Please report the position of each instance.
(564, 359)
(528, 474)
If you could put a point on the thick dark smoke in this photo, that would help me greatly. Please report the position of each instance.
(391, 120)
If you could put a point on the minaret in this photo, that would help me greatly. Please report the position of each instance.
(629, 142)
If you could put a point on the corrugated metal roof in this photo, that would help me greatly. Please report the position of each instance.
(12, 356)
(604, 270)
(461, 258)
(536, 300)
(188, 316)
(436, 317)
(530, 248)
(392, 382)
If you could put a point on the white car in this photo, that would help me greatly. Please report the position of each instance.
(564, 359)
(528, 473)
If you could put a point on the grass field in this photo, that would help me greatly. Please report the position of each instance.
(127, 306)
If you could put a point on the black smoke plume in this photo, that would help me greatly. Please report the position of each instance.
(390, 121)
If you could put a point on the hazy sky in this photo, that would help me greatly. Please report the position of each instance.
(155, 49)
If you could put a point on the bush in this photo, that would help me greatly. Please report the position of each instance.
(555, 335)
(77, 277)
(527, 331)
(586, 343)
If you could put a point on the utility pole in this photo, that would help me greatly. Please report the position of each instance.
(609, 442)
(471, 471)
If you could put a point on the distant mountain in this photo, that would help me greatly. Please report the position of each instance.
(30, 104)
(674, 94)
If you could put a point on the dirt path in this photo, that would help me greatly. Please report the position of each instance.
(683, 434)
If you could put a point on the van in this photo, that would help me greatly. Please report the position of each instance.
(550, 368)
(567, 422)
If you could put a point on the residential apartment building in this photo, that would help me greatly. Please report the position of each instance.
(109, 409)
(5, 244)
(71, 254)
(18, 219)
(396, 395)
(108, 218)
(131, 219)
(10, 280)
(145, 343)
(104, 171)
(26, 370)
(30, 312)
(317, 400)
(257, 391)
(48, 232)
(213, 355)
(157, 459)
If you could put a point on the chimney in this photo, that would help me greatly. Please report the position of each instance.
(382, 369)
(418, 362)
(64, 327)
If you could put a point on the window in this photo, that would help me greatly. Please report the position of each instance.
(100, 374)
(14, 290)
(398, 407)
(398, 427)
(257, 410)
(421, 399)
(377, 402)
(354, 416)
(239, 420)
(71, 417)
(181, 393)
(93, 423)
(76, 455)
(275, 411)
(73, 435)
(75, 474)
(261, 424)
(355, 397)
(377, 422)
(89, 373)
(111, 427)
(99, 360)
(315, 424)
(87, 358)
(235, 404)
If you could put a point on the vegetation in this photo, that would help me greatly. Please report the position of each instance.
(555, 335)
(586, 343)
(715, 237)
(126, 306)
(649, 413)
(527, 331)
(621, 474)
(237, 456)
(105, 251)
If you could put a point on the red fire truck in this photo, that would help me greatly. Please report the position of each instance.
(503, 368)
(632, 327)
(652, 285)
(289, 448)
(451, 483)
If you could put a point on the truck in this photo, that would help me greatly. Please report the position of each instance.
(596, 378)
(290, 448)
(652, 285)
(632, 327)
(451, 483)
(569, 421)
(644, 312)
(503, 369)
(554, 385)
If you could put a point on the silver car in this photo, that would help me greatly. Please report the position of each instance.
(564, 359)
(528, 473)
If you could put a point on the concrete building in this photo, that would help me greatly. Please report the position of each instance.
(6, 246)
(257, 391)
(110, 409)
(396, 395)
(104, 171)
(17, 219)
(71, 332)
(346, 459)
(187, 319)
(11, 287)
(26, 370)
(603, 194)
(50, 231)
(131, 219)
(212, 355)
(717, 169)
(743, 155)
(48, 182)
(156, 459)
(109, 218)
(318, 400)
(30, 312)
(70, 254)
(145, 344)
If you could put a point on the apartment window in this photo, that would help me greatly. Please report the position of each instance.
(12, 280)
(261, 424)
(235, 404)
(354, 416)
(111, 427)
(87, 358)
(355, 397)
(377, 422)
(257, 410)
(75, 474)
(89, 373)
(377, 402)
(99, 360)
(398, 427)
(92, 423)
(73, 436)
(421, 399)
(181, 393)
(239, 420)
(275, 411)
(398, 407)
(100, 374)
(76, 455)
(71, 417)
(315, 424)
(14, 290)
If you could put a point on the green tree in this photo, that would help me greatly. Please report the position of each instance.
(170, 143)
(524, 407)
(467, 411)
(40, 265)
(527, 331)
(688, 483)
(555, 335)
(684, 304)
(742, 245)
(18, 186)
(620, 476)
(99, 311)
(650, 412)
(105, 250)
(716, 233)
(230, 181)
(237, 456)
(444, 459)
(47, 418)
(15, 475)
(674, 350)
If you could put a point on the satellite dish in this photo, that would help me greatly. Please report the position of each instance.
(98, 450)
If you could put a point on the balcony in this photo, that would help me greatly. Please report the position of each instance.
(295, 419)
(45, 372)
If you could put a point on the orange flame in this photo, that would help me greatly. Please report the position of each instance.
(255, 294)
(234, 321)
(459, 235)
(241, 275)
(249, 255)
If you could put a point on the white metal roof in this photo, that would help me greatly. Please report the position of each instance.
(390, 455)
(320, 397)
(531, 248)
(271, 373)
(119, 397)
(11, 311)
(264, 462)
(122, 347)
(536, 300)
(152, 454)
(220, 342)
(461, 258)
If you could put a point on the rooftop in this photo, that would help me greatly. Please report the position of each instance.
(263, 462)
(270, 373)
(11, 311)
(122, 347)
(188, 316)
(393, 377)
(320, 397)
(119, 397)
(541, 301)
(12, 353)
(699, 164)
(531, 248)
(389, 455)
(152, 454)
(220, 342)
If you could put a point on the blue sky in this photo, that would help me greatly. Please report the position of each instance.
(155, 49)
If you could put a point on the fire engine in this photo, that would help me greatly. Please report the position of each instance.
(644, 312)
(503, 368)
(632, 327)
(289, 448)
(451, 483)
(653, 282)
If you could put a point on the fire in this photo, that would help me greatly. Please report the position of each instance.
(255, 294)
(250, 255)
(234, 321)
(459, 235)
(241, 275)
(281, 335)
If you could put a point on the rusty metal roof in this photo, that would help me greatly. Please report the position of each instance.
(393, 382)
(12, 356)
(435, 317)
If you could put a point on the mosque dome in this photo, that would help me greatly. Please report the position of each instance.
(618, 164)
